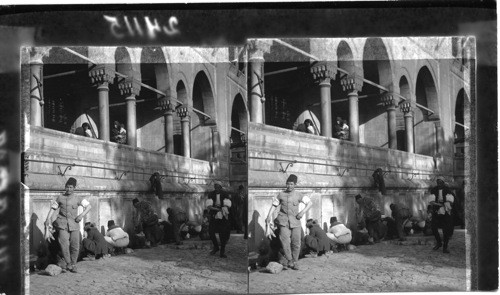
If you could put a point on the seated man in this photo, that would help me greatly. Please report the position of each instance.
(204, 233)
(400, 214)
(94, 243)
(316, 242)
(176, 218)
(310, 127)
(390, 223)
(339, 233)
(116, 236)
(147, 222)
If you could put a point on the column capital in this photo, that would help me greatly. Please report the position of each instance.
(38, 53)
(406, 107)
(166, 104)
(257, 48)
(102, 74)
(182, 112)
(352, 82)
(323, 70)
(389, 99)
(129, 87)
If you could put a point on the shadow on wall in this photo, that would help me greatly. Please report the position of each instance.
(36, 235)
(256, 229)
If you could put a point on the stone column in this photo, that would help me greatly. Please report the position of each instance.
(352, 84)
(407, 109)
(215, 142)
(102, 76)
(36, 94)
(390, 101)
(323, 73)
(257, 48)
(439, 138)
(183, 113)
(130, 89)
(168, 112)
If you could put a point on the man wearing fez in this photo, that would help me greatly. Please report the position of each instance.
(176, 218)
(147, 221)
(67, 221)
(218, 205)
(441, 214)
(372, 217)
(288, 219)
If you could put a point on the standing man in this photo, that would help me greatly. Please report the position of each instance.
(441, 215)
(67, 221)
(218, 205)
(288, 219)
(148, 220)
(371, 216)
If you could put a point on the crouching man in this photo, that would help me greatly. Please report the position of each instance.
(340, 235)
(116, 236)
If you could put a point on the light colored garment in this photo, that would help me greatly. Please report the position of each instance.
(310, 129)
(226, 204)
(117, 237)
(340, 234)
(447, 205)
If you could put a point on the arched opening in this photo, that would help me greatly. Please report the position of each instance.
(181, 96)
(404, 90)
(201, 133)
(117, 104)
(239, 122)
(150, 119)
(288, 85)
(372, 114)
(67, 92)
(424, 122)
(340, 104)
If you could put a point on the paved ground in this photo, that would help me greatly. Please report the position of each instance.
(383, 267)
(160, 270)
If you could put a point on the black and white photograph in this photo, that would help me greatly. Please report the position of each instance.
(357, 166)
(135, 169)
(248, 148)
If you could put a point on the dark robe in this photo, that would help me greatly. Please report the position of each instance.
(317, 240)
(95, 243)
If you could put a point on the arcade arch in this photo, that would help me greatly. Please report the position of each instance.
(376, 68)
(67, 92)
(203, 129)
(424, 122)
(239, 122)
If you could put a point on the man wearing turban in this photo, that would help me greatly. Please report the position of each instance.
(442, 203)
(218, 205)
(67, 222)
(288, 219)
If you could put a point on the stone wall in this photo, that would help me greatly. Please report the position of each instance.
(109, 176)
(331, 172)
